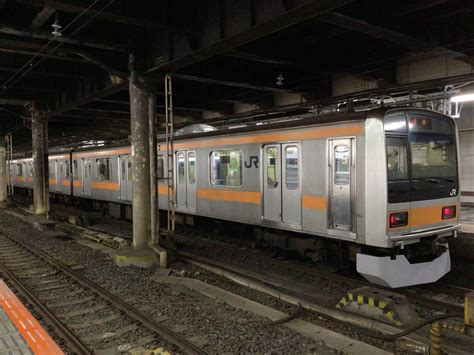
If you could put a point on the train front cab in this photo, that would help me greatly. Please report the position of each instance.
(412, 183)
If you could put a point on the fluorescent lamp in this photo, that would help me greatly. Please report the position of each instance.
(462, 98)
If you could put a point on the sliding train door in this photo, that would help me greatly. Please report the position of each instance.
(87, 173)
(186, 181)
(126, 184)
(341, 184)
(281, 184)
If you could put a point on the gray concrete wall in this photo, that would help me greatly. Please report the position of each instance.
(466, 147)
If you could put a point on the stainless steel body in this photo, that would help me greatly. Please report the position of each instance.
(327, 180)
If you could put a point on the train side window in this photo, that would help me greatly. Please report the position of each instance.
(161, 167)
(292, 167)
(397, 164)
(68, 169)
(272, 167)
(19, 169)
(191, 167)
(30, 169)
(50, 170)
(342, 165)
(226, 168)
(103, 168)
(75, 169)
(181, 168)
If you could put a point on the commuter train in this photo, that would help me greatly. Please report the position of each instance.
(379, 188)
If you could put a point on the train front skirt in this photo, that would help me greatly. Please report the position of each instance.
(398, 272)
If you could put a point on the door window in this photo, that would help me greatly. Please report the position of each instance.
(397, 164)
(292, 172)
(181, 168)
(75, 170)
(191, 167)
(129, 165)
(272, 167)
(123, 169)
(342, 164)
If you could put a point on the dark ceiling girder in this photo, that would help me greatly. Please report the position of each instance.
(47, 73)
(407, 41)
(388, 90)
(230, 83)
(34, 34)
(43, 15)
(74, 9)
(416, 7)
(31, 54)
(14, 102)
(87, 99)
(257, 58)
(308, 10)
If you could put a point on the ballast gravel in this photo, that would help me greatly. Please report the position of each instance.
(225, 329)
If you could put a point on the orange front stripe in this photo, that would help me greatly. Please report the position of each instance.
(99, 185)
(428, 215)
(314, 202)
(20, 179)
(229, 195)
(52, 181)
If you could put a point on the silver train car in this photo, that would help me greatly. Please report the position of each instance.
(380, 188)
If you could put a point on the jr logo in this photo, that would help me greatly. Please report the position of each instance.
(253, 160)
(453, 192)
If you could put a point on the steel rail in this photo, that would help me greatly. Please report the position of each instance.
(72, 341)
(166, 333)
(414, 297)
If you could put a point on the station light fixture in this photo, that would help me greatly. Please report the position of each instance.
(462, 98)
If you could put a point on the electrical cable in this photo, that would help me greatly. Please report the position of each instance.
(5, 86)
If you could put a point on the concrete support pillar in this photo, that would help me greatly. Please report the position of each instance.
(40, 164)
(3, 175)
(140, 164)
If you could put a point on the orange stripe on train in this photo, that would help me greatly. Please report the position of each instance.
(99, 185)
(314, 202)
(299, 134)
(229, 195)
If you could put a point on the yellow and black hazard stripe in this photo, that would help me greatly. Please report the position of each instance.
(385, 305)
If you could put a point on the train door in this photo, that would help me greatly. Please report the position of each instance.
(126, 184)
(281, 181)
(87, 173)
(341, 181)
(186, 181)
(57, 175)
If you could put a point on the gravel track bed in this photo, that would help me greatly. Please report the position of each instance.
(226, 329)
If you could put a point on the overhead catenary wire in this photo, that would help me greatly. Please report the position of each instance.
(29, 65)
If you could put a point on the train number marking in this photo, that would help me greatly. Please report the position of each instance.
(252, 160)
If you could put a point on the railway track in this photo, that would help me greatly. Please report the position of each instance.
(412, 295)
(87, 317)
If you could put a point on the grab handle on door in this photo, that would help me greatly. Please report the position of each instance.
(275, 184)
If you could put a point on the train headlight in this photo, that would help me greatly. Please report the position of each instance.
(398, 219)
(448, 212)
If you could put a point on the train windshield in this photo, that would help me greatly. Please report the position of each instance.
(421, 156)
